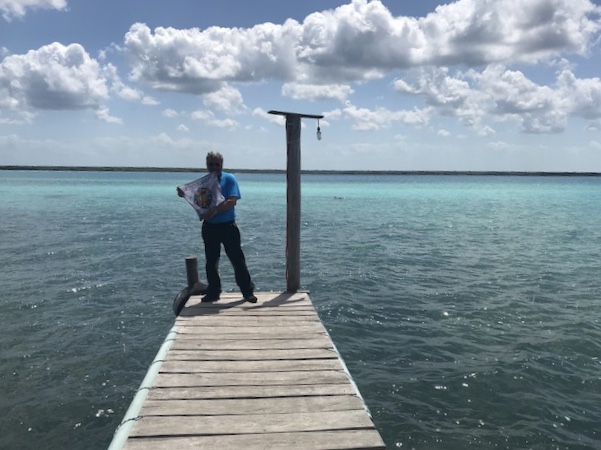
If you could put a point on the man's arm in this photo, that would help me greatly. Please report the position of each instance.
(222, 207)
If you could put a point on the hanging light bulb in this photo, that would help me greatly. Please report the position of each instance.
(318, 131)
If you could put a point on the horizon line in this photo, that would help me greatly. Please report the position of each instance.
(304, 171)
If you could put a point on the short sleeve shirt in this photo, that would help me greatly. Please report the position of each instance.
(229, 188)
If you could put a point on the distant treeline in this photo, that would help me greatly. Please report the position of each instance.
(324, 172)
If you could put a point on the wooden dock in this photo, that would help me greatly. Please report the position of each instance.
(236, 375)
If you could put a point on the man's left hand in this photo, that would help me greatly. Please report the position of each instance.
(209, 214)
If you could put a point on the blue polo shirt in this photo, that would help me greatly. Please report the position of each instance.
(229, 188)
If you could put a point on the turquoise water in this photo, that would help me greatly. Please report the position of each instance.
(466, 308)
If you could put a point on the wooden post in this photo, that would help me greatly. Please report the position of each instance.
(293, 196)
(192, 271)
(293, 202)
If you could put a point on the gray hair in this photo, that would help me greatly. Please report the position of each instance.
(215, 155)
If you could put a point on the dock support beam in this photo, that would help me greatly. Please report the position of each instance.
(293, 196)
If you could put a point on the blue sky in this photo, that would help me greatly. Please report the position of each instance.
(508, 85)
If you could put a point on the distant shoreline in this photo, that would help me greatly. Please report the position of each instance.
(281, 171)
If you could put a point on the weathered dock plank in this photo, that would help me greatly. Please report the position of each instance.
(251, 354)
(244, 332)
(250, 378)
(277, 366)
(235, 320)
(317, 440)
(156, 426)
(282, 405)
(236, 375)
(321, 341)
(270, 391)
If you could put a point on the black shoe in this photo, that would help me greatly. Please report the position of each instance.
(210, 298)
(250, 298)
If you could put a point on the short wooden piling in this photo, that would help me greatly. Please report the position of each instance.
(192, 271)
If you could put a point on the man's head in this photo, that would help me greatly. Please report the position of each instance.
(214, 162)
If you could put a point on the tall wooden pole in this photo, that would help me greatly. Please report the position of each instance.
(293, 196)
(293, 213)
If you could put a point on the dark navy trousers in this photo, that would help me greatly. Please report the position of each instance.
(228, 234)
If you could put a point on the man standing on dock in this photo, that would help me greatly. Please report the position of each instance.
(219, 227)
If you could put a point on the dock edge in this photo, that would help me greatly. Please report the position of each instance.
(133, 412)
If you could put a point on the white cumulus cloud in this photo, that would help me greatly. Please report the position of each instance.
(54, 77)
(208, 117)
(171, 113)
(103, 114)
(357, 42)
(201, 61)
(460, 60)
(499, 94)
(18, 8)
(299, 91)
(365, 119)
(228, 99)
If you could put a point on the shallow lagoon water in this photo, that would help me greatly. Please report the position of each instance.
(466, 308)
